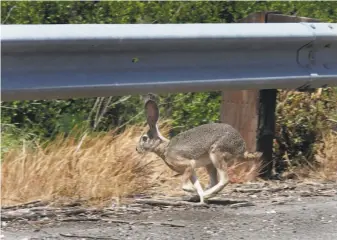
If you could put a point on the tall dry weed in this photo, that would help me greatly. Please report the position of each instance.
(325, 167)
(93, 168)
(98, 169)
(327, 156)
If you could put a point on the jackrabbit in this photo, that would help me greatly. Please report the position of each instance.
(209, 145)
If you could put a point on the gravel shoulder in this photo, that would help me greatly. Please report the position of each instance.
(278, 210)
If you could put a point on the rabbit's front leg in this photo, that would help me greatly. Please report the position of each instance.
(187, 185)
(189, 175)
(213, 176)
(221, 167)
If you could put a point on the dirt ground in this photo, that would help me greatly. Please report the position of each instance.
(260, 210)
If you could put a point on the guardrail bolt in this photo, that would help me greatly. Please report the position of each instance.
(326, 66)
(311, 56)
(330, 26)
(312, 26)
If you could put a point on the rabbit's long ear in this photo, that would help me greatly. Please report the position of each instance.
(152, 116)
(152, 113)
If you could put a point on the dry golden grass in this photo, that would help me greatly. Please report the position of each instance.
(327, 157)
(98, 169)
(325, 167)
(94, 168)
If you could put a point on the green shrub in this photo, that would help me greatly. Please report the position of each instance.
(302, 117)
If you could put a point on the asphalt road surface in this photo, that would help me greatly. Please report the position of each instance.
(280, 215)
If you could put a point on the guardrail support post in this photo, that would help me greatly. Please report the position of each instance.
(266, 129)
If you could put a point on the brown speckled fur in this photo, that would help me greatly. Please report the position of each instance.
(197, 141)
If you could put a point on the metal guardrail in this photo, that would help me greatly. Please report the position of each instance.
(71, 61)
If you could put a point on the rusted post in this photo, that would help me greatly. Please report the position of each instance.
(239, 108)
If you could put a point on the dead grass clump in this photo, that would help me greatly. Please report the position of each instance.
(97, 169)
(240, 172)
(327, 157)
(94, 168)
(325, 167)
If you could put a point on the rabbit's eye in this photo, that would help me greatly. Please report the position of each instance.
(144, 138)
